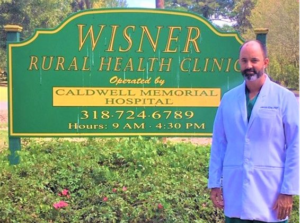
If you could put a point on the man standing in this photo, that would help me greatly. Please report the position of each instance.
(254, 163)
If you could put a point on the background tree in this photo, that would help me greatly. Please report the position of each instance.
(282, 20)
(235, 11)
(240, 14)
(115, 3)
(88, 4)
(281, 17)
(206, 8)
(32, 14)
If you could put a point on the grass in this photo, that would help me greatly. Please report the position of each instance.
(3, 126)
(3, 140)
(3, 94)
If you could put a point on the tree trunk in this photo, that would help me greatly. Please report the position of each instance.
(160, 4)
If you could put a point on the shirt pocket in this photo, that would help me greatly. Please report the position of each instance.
(268, 113)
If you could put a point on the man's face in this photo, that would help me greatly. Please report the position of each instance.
(252, 61)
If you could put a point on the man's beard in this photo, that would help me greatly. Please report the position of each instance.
(253, 76)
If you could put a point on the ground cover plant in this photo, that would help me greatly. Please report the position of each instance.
(3, 139)
(108, 180)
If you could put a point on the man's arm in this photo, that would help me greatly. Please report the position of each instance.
(216, 196)
(283, 206)
(290, 185)
(290, 119)
(217, 152)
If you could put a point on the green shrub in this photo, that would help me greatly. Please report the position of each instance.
(108, 180)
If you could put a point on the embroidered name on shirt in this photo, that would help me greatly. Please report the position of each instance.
(270, 107)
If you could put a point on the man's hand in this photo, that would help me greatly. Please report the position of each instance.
(216, 196)
(283, 206)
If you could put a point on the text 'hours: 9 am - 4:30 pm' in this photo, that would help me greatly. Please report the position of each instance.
(136, 126)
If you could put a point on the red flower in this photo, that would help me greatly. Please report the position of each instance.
(60, 204)
(160, 206)
(105, 199)
(124, 188)
(65, 192)
(114, 190)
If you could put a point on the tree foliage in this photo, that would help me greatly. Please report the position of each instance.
(32, 14)
(240, 14)
(281, 17)
(29, 14)
(236, 11)
(282, 20)
(206, 8)
(88, 4)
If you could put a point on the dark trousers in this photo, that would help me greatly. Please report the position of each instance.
(237, 220)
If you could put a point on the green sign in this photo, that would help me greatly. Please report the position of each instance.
(121, 72)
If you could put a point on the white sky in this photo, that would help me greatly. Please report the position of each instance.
(141, 3)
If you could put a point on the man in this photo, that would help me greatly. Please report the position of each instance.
(254, 163)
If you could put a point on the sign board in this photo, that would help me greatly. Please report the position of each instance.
(121, 72)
